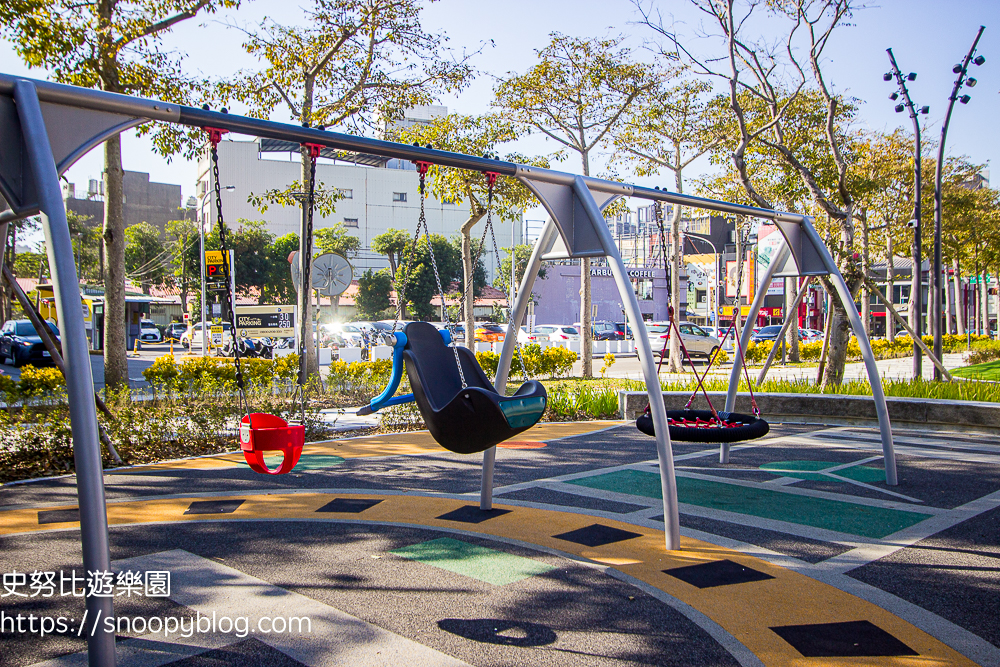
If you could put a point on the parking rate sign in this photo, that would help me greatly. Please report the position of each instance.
(271, 321)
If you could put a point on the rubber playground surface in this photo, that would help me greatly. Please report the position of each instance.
(795, 553)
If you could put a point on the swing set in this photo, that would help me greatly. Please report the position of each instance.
(46, 127)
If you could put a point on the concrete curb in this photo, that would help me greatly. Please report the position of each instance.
(836, 409)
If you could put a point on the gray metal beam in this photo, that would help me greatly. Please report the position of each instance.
(874, 379)
(519, 307)
(664, 453)
(79, 382)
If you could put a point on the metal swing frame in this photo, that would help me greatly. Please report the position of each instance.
(45, 127)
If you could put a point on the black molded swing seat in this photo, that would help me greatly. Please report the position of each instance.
(466, 420)
(702, 426)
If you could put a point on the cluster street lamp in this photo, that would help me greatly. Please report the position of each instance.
(916, 297)
(962, 70)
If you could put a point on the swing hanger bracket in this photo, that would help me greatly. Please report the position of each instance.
(422, 167)
(491, 178)
(214, 134)
(314, 150)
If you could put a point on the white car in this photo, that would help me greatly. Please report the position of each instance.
(696, 340)
(556, 333)
(193, 338)
(349, 333)
(148, 332)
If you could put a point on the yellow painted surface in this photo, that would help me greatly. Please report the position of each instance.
(746, 611)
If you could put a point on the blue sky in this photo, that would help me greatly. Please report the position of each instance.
(927, 36)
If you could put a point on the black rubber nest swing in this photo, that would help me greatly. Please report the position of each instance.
(465, 419)
(710, 425)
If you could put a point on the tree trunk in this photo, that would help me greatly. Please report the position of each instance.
(984, 308)
(959, 299)
(115, 339)
(676, 360)
(468, 279)
(840, 330)
(948, 302)
(890, 275)
(305, 254)
(792, 335)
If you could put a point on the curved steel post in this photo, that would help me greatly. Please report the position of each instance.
(80, 378)
(874, 379)
(778, 259)
(664, 453)
(518, 308)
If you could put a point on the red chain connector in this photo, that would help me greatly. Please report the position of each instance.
(214, 134)
(314, 150)
(422, 167)
(491, 178)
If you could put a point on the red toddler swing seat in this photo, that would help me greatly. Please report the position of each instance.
(261, 432)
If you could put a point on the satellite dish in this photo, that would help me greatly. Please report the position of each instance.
(333, 273)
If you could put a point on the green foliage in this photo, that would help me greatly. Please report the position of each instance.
(421, 284)
(145, 255)
(882, 348)
(373, 294)
(522, 254)
(552, 362)
(394, 244)
(338, 240)
(218, 374)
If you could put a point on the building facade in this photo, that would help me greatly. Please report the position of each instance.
(374, 198)
(145, 201)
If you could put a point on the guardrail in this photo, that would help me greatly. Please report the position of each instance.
(837, 409)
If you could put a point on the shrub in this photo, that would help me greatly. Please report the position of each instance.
(551, 362)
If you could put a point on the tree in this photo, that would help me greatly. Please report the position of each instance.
(421, 283)
(373, 294)
(669, 129)
(116, 47)
(522, 254)
(394, 244)
(355, 61)
(146, 258)
(811, 140)
(279, 288)
(182, 237)
(473, 135)
(575, 95)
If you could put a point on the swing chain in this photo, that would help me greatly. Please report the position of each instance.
(402, 277)
(422, 223)
(214, 137)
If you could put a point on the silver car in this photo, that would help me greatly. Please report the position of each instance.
(696, 340)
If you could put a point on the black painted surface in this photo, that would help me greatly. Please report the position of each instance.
(596, 535)
(58, 516)
(349, 505)
(842, 640)
(717, 573)
(472, 514)
(227, 506)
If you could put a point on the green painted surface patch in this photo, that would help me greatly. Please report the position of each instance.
(471, 560)
(849, 518)
(867, 474)
(306, 462)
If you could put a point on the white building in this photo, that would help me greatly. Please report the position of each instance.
(378, 194)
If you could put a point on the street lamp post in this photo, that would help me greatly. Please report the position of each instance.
(916, 297)
(961, 70)
(718, 273)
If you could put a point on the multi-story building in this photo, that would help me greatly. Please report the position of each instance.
(376, 194)
(145, 201)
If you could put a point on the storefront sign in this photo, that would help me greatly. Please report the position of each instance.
(632, 273)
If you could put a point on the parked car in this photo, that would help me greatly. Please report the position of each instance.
(696, 340)
(175, 330)
(768, 333)
(810, 335)
(606, 331)
(344, 334)
(193, 337)
(490, 333)
(557, 332)
(149, 332)
(624, 330)
(20, 343)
